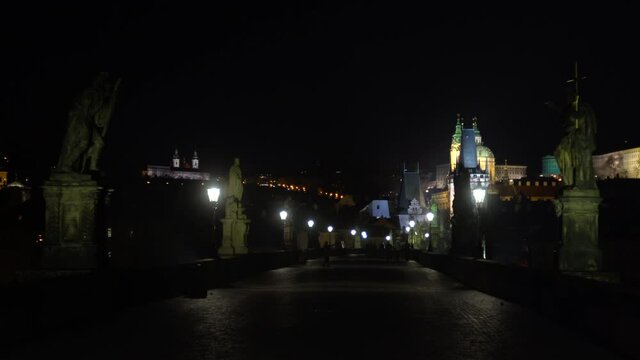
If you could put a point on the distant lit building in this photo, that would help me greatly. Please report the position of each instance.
(550, 166)
(411, 202)
(624, 164)
(510, 172)
(378, 209)
(483, 155)
(182, 170)
(533, 189)
(4, 175)
(442, 174)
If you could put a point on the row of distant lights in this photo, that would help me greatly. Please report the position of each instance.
(167, 182)
(310, 223)
(273, 184)
(288, 187)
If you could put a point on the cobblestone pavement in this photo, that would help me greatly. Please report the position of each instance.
(356, 308)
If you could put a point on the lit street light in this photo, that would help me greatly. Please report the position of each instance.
(430, 217)
(478, 195)
(214, 194)
(283, 217)
(356, 239)
(329, 228)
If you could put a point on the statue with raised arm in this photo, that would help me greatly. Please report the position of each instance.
(88, 122)
(573, 154)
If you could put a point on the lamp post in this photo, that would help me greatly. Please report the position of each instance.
(356, 240)
(310, 224)
(214, 194)
(283, 217)
(430, 217)
(331, 240)
(478, 195)
(411, 236)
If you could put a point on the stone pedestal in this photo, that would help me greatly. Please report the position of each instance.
(357, 242)
(70, 222)
(234, 237)
(580, 251)
(288, 236)
(302, 240)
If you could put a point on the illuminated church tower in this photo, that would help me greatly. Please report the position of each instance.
(484, 154)
(455, 144)
(471, 157)
(176, 159)
(194, 160)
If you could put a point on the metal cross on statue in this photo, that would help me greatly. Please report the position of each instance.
(576, 79)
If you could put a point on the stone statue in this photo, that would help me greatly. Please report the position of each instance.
(235, 187)
(573, 154)
(233, 206)
(88, 122)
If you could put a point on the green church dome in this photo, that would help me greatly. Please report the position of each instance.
(484, 152)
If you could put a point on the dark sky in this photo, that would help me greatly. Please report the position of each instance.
(359, 87)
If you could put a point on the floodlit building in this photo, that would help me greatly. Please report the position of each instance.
(623, 164)
(180, 170)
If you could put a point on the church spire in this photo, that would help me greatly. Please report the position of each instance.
(176, 159)
(458, 131)
(194, 160)
(477, 131)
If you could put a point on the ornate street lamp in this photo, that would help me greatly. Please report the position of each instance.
(478, 195)
(214, 194)
(430, 217)
(283, 216)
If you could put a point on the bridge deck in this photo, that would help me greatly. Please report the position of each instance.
(355, 308)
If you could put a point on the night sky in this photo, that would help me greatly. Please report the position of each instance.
(360, 87)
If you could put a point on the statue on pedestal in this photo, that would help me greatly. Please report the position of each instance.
(88, 122)
(235, 189)
(235, 225)
(573, 154)
(71, 196)
(579, 202)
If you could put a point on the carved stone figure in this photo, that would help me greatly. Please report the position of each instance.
(235, 187)
(88, 122)
(233, 205)
(573, 154)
